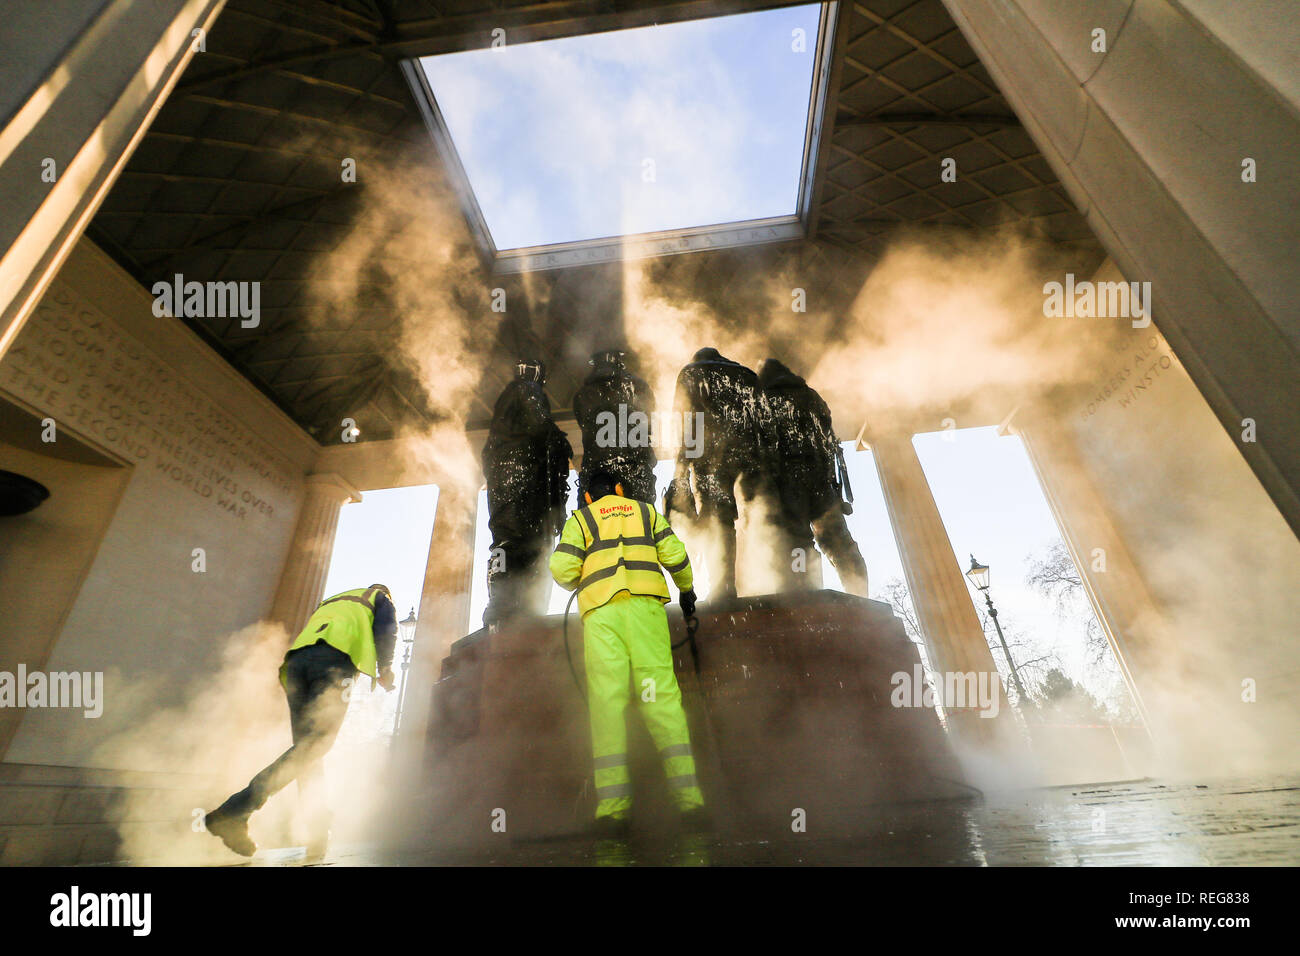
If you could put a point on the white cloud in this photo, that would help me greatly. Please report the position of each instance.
(554, 134)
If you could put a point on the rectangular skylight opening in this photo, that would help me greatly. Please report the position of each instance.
(679, 137)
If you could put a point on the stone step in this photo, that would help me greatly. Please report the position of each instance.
(58, 816)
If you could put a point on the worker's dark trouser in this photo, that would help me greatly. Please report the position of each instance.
(314, 678)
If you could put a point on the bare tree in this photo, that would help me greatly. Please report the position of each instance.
(900, 599)
(1054, 575)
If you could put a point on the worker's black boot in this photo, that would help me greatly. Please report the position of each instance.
(612, 828)
(232, 829)
(696, 820)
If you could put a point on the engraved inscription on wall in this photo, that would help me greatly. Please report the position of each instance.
(1139, 367)
(79, 368)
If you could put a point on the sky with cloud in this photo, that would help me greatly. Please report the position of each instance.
(556, 136)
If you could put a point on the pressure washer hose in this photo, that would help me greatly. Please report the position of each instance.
(568, 655)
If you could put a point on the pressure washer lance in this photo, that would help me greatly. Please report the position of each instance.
(692, 625)
(715, 756)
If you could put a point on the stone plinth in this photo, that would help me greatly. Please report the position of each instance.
(791, 712)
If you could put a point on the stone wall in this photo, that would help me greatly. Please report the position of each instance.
(212, 465)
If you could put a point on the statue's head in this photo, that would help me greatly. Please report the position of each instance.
(607, 360)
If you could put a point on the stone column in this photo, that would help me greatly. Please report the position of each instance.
(953, 637)
(1173, 126)
(1129, 616)
(303, 581)
(444, 611)
(84, 79)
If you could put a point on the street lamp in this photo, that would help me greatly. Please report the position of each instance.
(979, 576)
(406, 635)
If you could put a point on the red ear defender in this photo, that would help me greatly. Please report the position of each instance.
(587, 495)
(618, 490)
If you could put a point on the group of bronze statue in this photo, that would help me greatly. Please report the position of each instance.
(763, 438)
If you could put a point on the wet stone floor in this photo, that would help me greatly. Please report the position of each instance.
(1252, 822)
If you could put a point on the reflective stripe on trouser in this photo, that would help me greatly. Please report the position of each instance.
(626, 643)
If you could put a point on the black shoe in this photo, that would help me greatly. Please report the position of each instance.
(611, 828)
(696, 820)
(232, 830)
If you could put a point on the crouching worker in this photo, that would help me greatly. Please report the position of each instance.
(611, 550)
(349, 633)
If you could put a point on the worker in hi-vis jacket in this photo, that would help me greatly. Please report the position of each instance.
(612, 549)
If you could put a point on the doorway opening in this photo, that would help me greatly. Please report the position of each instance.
(1051, 643)
(382, 539)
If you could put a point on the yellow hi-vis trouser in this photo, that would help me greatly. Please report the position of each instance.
(626, 644)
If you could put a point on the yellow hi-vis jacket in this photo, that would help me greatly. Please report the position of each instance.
(614, 545)
(345, 621)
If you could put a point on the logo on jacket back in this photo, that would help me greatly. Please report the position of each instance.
(621, 509)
